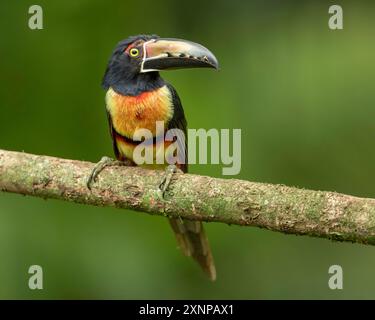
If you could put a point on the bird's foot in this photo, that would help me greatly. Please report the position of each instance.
(166, 180)
(99, 167)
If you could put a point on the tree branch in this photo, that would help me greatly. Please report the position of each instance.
(275, 207)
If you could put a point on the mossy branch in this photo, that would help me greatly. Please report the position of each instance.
(275, 207)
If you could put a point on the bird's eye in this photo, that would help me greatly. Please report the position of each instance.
(134, 52)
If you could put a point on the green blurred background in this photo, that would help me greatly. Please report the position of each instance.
(302, 94)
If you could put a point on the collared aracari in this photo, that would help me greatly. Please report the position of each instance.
(137, 97)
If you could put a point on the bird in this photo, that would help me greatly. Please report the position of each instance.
(136, 98)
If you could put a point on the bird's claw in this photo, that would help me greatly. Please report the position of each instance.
(166, 180)
(99, 167)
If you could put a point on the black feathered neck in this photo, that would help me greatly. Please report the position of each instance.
(133, 86)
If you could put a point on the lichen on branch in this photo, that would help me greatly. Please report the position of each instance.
(275, 207)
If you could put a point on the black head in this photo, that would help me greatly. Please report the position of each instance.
(123, 70)
(135, 63)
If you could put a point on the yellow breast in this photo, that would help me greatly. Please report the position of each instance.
(130, 113)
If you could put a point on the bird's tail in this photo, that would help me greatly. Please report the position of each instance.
(193, 242)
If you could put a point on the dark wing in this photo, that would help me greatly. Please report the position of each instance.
(190, 235)
(178, 121)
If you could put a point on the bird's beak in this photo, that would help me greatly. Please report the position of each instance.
(162, 54)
